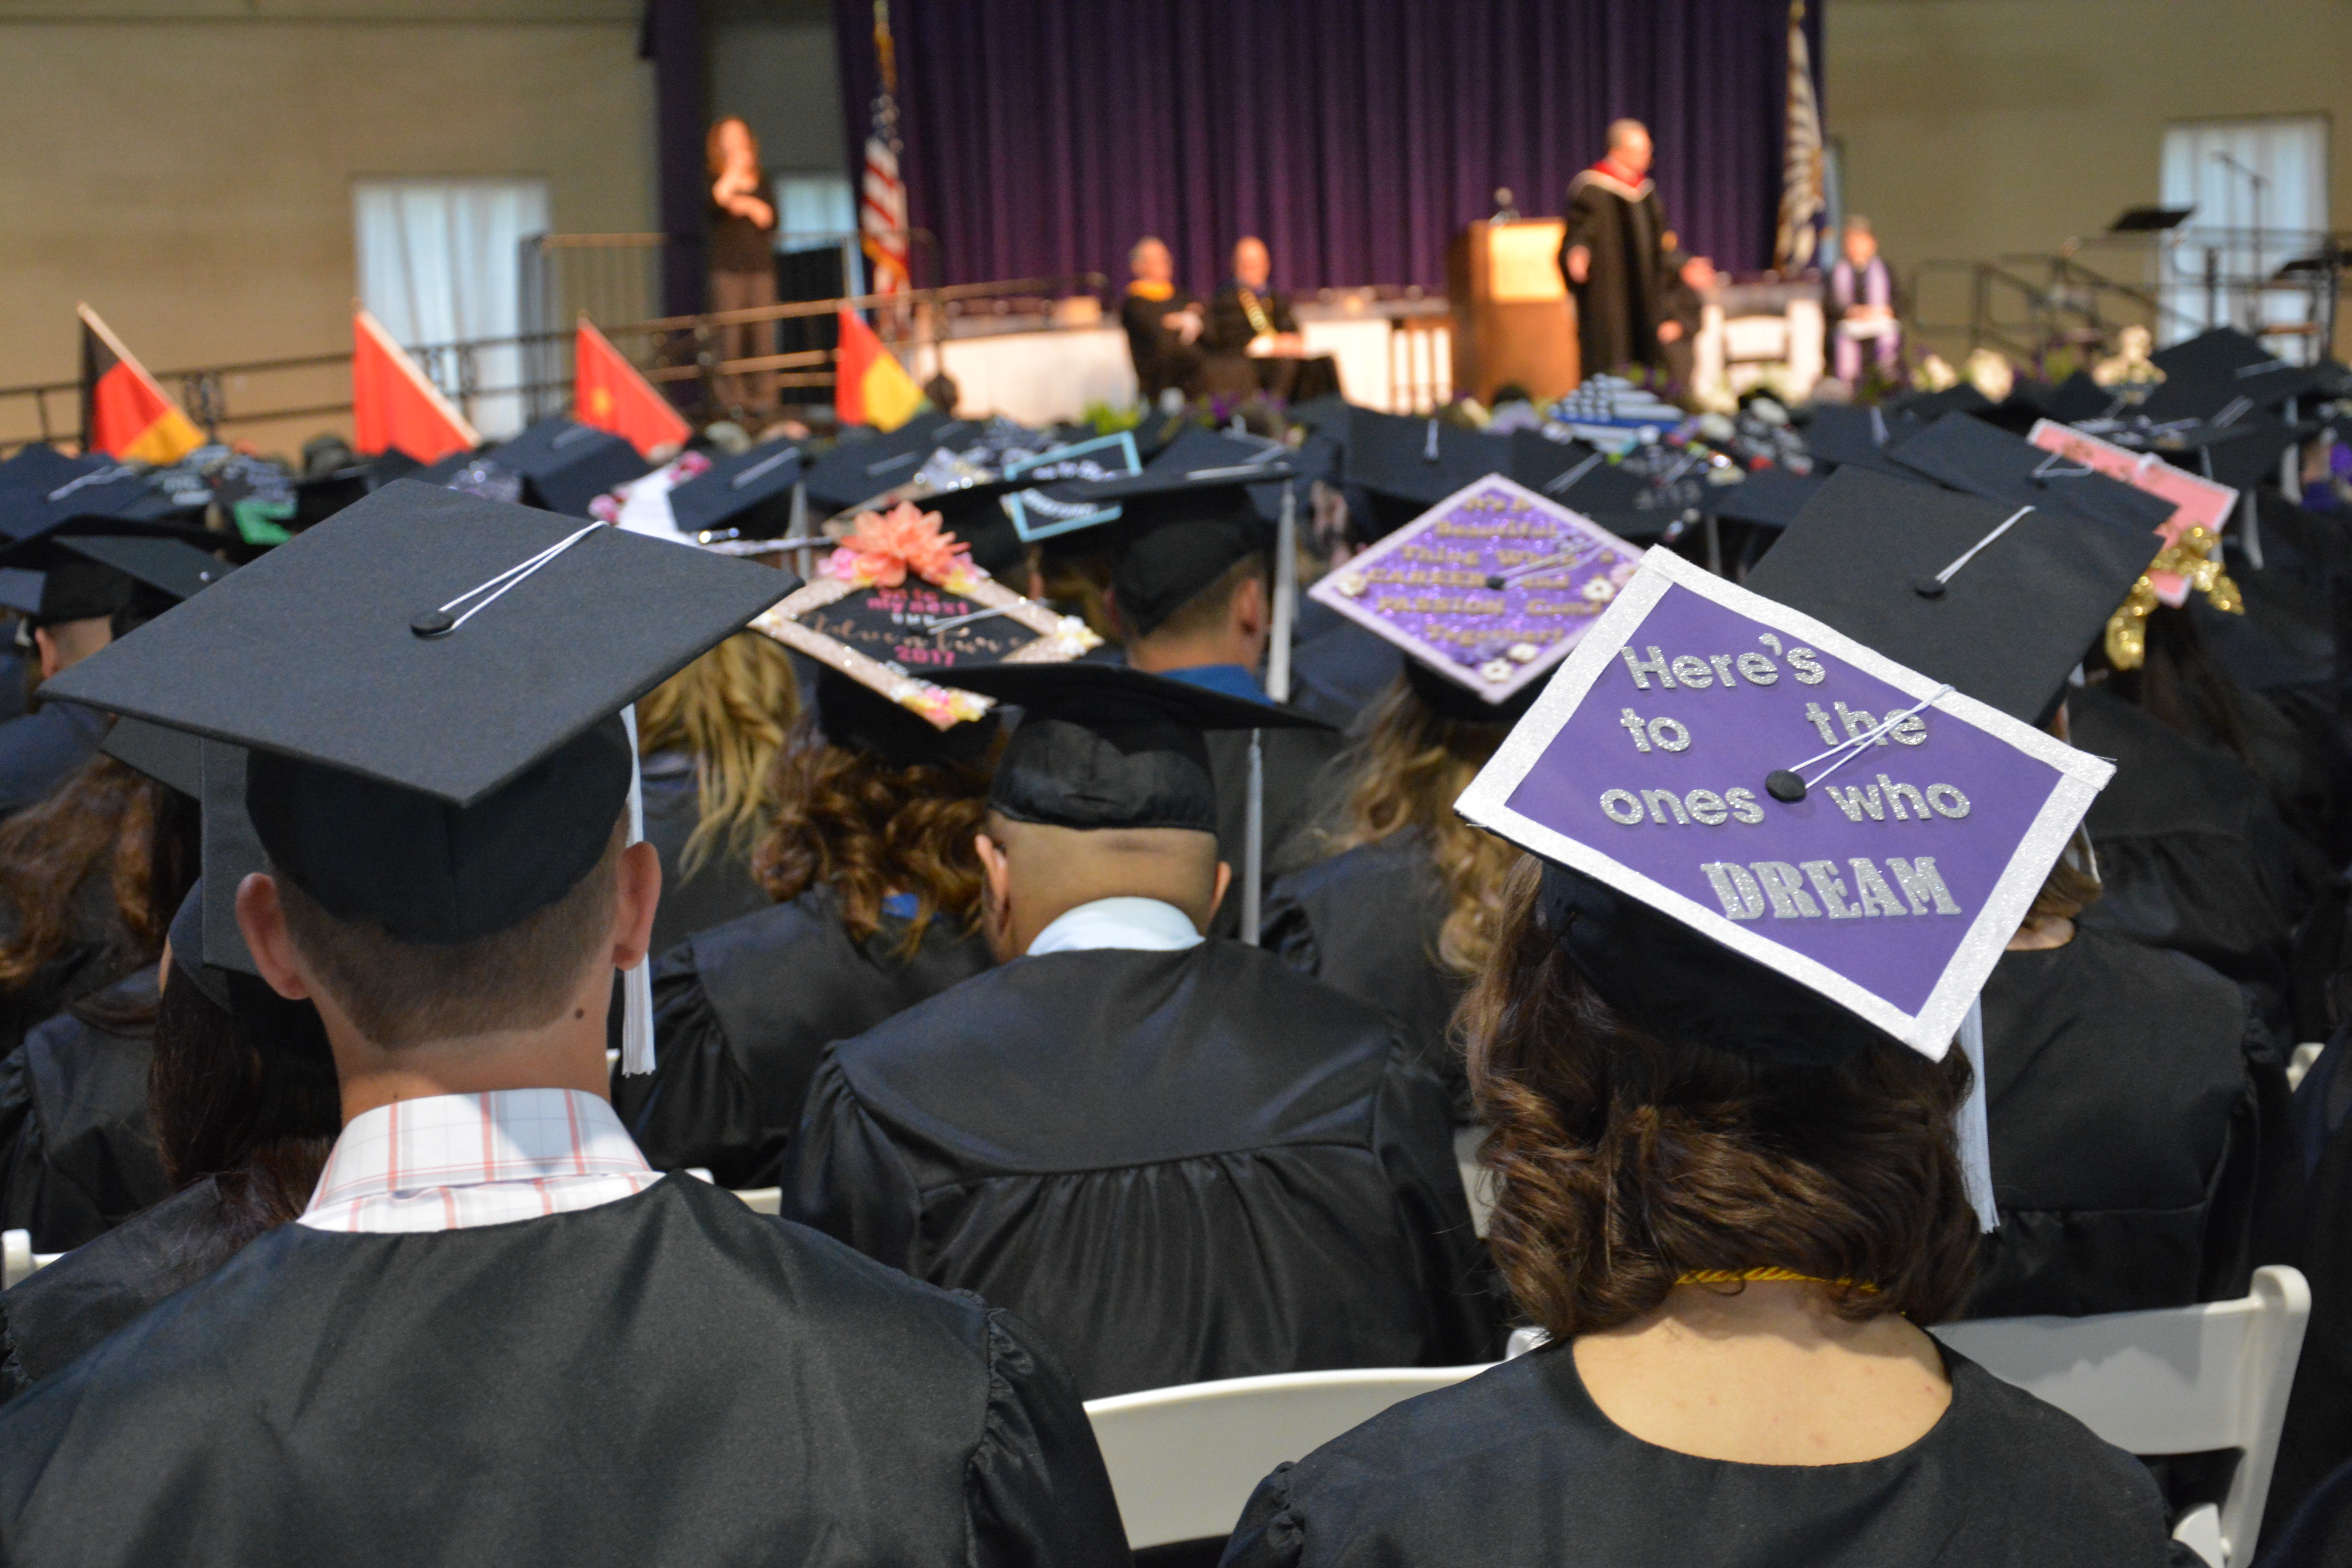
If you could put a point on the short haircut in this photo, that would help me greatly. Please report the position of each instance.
(1135, 251)
(1624, 1161)
(1205, 611)
(400, 994)
(1856, 224)
(1623, 131)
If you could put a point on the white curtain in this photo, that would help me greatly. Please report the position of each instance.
(2214, 166)
(440, 262)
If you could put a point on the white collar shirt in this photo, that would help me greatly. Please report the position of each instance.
(1137, 925)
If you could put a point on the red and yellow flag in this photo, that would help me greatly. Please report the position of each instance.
(608, 392)
(123, 413)
(393, 403)
(869, 385)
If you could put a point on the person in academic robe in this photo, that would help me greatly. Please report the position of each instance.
(440, 1331)
(1861, 306)
(1163, 321)
(1613, 254)
(1252, 344)
(869, 860)
(2316, 1439)
(1192, 599)
(83, 606)
(1403, 913)
(245, 1109)
(1177, 1158)
(708, 738)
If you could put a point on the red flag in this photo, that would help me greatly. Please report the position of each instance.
(608, 392)
(393, 407)
(869, 385)
(123, 413)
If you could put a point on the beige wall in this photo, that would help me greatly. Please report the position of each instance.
(1974, 128)
(185, 165)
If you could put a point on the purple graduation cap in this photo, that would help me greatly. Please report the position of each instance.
(1491, 587)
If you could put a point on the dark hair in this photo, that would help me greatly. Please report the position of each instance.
(846, 819)
(248, 1098)
(1206, 610)
(2178, 685)
(1622, 1162)
(105, 819)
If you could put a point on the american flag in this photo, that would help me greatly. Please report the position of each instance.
(1801, 168)
(882, 208)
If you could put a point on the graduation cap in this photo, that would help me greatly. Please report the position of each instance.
(429, 688)
(1843, 436)
(2203, 375)
(37, 466)
(1104, 745)
(129, 577)
(1419, 460)
(1643, 493)
(856, 472)
(1067, 499)
(2079, 397)
(1962, 397)
(1489, 589)
(1708, 906)
(2240, 451)
(565, 465)
(2002, 601)
(108, 498)
(317, 496)
(1966, 454)
(901, 608)
(747, 495)
(1767, 497)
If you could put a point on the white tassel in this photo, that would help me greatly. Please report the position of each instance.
(1975, 1134)
(636, 984)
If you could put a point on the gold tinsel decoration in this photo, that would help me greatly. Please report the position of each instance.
(2196, 555)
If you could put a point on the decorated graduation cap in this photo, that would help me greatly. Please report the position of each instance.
(1489, 589)
(1059, 488)
(1763, 835)
(901, 608)
(1102, 745)
(565, 465)
(2002, 601)
(1964, 452)
(1188, 519)
(746, 496)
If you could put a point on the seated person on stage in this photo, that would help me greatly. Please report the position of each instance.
(870, 858)
(496, 1334)
(1682, 307)
(245, 1110)
(1163, 323)
(1175, 1157)
(1249, 322)
(1192, 596)
(1861, 306)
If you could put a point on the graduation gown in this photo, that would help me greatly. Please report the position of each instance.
(721, 887)
(743, 1010)
(2317, 1436)
(1178, 1166)
(77, 1152)
(1338, 669)
(670, 1379)
(1518, 1464)
(1618, 305)
(1163, 359)
(2143, 1154)
(1366, 922)
(1298, 787)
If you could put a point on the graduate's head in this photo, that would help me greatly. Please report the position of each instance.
(1626, 1158)
(1629, 145)
(1195, 592)
(1036, 872)
(1252, 263)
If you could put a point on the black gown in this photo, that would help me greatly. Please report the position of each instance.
(721, 887)
(2317, 1436)
(1178, 1166)
(37, 749)
(743, 1010)
(2193, 854)
(2143, 1150)
(1618, 305)
(1367, 923)
(1519, 1466)
(1300, 785)
(77, 1152)
(1161, 358)
(670, 1379)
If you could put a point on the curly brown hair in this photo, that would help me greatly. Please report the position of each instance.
(1622, 1162)
(846, 820)
(106, 818)
(1409, 767)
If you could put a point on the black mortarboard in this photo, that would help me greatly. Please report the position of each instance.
(856, 471)
(1768, 498)
(20, 591)
(317, 496)
(85, 577)
(171, 757)
(1420, 461)
(1330, 413)
(853, 716)
(1929, 406)
(37, 466)
(1164, 571)
(2002, 601)
(1631, 495)
(1843, 436)
(565, 465)
(2241, 453)
(1964, 452)
(110, 499)
(2203, 375)
(2080, 397)
(747, 495)
(1055, 493)
(429, 686)
(1102, 745)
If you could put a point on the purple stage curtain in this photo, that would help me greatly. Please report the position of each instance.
(1043, 137)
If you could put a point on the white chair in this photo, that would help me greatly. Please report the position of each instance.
(18, 1261)
(762, 1200)
(1183, 1460)
(2184, 1380)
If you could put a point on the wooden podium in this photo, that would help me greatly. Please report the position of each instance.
(1512, 318)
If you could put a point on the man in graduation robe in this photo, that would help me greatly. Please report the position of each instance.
(1176, 1157)
(1613, 254)
(1163, 323)
(1253, 343)
(496, 1336)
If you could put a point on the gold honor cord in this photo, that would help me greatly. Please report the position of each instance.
(1261, 325)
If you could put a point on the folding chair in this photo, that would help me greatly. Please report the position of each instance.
(18, 1260)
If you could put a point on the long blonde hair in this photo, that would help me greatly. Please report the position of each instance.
(1409, 767)
(728, 709)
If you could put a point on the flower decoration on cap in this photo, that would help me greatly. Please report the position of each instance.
(883, 547)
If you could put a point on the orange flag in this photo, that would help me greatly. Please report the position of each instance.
(393, 403)
(123, 413)
(869, 385)
(608, 392)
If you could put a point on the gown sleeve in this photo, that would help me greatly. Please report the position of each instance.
(1035, 1489)
(1288, 933)
(1270, 1534)
(35, 1194)
(696, 1107)
(1413, 1138)
(843, 1176)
